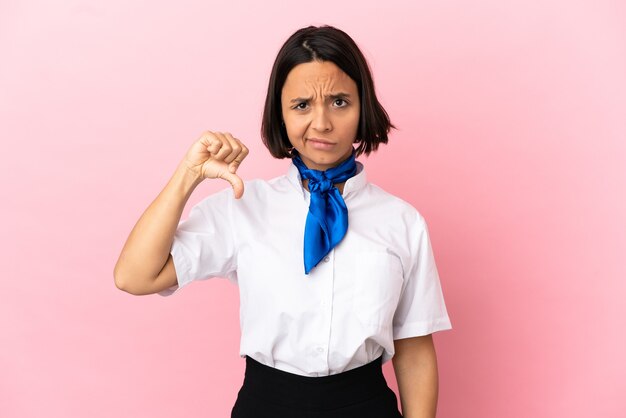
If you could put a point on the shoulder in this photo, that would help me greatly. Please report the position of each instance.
(260, 189)
(256, 193)
(400, 208)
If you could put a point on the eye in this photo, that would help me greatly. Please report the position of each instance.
(342, 100)
(298, 105)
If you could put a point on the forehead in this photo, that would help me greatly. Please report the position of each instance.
(316, 74)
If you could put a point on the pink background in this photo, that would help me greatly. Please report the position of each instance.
(511, 144)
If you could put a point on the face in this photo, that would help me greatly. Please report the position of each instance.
(320, 101)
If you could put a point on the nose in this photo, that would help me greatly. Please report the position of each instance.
(321, 121)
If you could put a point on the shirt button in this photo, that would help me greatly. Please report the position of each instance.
(326, 259)
(320, 349)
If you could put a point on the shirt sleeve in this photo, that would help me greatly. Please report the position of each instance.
(421, 309)
(204, 243)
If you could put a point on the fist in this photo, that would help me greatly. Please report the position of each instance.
(217, 155)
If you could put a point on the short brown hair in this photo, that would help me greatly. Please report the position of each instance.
(324, 43)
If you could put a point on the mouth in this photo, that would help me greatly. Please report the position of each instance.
(321, 141)
(320, 144)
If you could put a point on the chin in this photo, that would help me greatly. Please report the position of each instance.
(321, 158)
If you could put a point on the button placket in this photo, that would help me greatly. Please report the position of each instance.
(328, 302)
(325, 303)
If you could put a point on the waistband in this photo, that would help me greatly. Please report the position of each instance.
(280, 387)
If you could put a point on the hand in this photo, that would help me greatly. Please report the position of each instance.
(217, 155)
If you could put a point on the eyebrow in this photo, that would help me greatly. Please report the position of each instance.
(339, 95)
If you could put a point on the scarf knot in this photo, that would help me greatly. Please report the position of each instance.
(323, 185)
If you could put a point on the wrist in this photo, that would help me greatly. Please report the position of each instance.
(186, 178)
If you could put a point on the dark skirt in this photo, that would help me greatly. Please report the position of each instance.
(268, 392)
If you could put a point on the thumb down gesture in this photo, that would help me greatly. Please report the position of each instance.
(218, 155)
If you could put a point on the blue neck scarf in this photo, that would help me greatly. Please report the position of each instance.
(327, 220)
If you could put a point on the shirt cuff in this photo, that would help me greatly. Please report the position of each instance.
(419, 328)
(182, 268)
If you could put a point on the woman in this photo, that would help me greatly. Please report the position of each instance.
(336, 276)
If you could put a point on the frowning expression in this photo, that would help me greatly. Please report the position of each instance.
(321, 110)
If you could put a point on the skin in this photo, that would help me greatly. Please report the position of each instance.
(310, 111)
(415, 366)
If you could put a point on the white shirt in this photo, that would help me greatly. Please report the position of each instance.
(380, 283)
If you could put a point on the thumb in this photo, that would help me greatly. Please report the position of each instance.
(236, 182)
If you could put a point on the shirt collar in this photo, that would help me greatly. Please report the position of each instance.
(351, 185)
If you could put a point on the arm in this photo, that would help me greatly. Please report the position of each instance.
(415, 366)
(145, 266)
